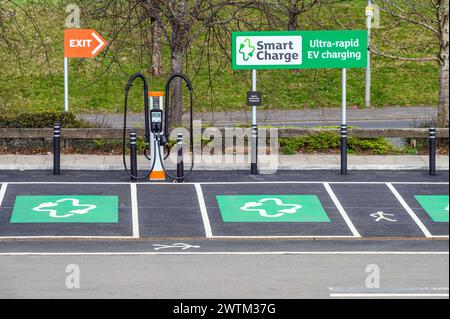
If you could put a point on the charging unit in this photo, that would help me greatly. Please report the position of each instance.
(156, 128)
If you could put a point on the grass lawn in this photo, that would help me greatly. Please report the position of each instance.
(32, 78)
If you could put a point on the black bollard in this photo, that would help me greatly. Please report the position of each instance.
(133, 156)
(254, 150)
(180, 163)
(343, 149)
(432, 151)
(56, 149)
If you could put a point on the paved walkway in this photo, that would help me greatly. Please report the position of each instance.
(285, 162)
(288, 117)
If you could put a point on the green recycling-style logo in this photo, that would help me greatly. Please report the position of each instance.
(247, 50)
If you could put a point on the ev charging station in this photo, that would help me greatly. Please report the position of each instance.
(156, 128)
(157, 132)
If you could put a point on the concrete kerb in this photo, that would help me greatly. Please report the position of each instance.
(294, 162)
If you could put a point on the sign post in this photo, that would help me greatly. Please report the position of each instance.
(344, 124)
(300, 50)
(254, 156)
(79, 43)
(369, 15)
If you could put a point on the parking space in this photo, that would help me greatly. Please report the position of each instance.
(170, 210)
(430, 203)
(225, 210)
(65, 210)
(375, 211)
(262, 210)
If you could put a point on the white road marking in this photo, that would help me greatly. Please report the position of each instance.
(134, 210)
(64, 237)
(411, 213)
(203, 210)
(341, 210)
(141, 253)
(226, 183)
(388, 295)
(279, 237)
(3, 192)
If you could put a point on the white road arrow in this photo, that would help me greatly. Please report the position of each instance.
(183, 246)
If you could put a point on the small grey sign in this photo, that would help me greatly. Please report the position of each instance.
(254, 98)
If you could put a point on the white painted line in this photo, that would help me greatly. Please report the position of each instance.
(279, 237)
(411, 213)
(389, 295)
(134, 210)
(341, 210)
(203, 210)
(226, 183)
(64, 237)
(150, 253)
(3, 192)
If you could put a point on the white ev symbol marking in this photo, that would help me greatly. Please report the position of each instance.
(252, 207)
(49, 207)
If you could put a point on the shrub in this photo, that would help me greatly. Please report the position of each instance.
(326, 141)
(42, 119)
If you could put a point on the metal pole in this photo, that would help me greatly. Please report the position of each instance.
(133, 156)
(368, 68)
(344, 124)
(432, 151)
(254, 151)
(56, 149)
(180, 163)
(66, 85)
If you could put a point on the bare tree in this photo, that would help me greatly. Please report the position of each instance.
(431, 16)
(289, 11)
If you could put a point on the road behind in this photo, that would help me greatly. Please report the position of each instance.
(215, 276)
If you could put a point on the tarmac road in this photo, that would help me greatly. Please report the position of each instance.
(223, 276)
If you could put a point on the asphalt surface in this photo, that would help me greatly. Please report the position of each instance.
(222, 276)
(173, 240)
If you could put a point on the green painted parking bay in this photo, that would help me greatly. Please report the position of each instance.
(66, 210)
(430, 204)
(273, 210)
(436, 206)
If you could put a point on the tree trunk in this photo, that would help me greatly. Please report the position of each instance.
(156, 68)
(292, 20)
(442, 118)
(176, 107)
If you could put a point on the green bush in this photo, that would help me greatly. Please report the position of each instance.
(42, 119)
(326, 141)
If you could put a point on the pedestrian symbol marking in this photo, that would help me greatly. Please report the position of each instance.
(436, 206)
(256, 207)
(65, 209)
(271, 208)
(382, 216)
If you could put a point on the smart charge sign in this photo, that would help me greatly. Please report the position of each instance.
(299, 49)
